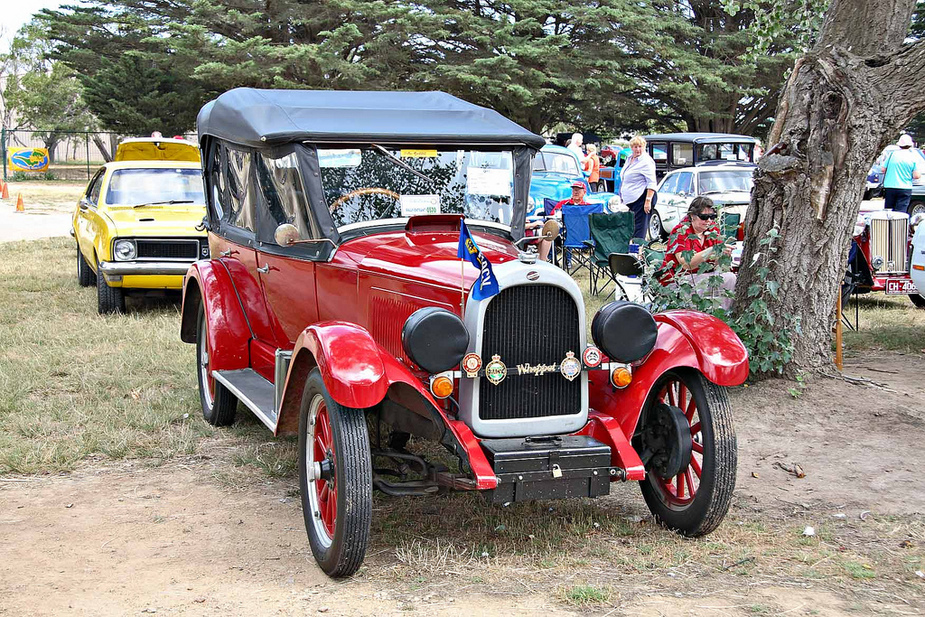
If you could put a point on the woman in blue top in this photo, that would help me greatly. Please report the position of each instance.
(637, 185)
(901, 168)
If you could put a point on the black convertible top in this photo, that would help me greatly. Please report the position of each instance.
(262, 118)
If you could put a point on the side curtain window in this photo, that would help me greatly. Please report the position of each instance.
(283, 192)
(240, 201)
(216, 183)
(685, 183)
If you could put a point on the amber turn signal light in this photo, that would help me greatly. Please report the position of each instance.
(441, 386)
(621, 377)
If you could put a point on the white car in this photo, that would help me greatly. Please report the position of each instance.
(729, 185)
(917, 259)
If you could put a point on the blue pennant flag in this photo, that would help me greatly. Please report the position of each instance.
(487, 285)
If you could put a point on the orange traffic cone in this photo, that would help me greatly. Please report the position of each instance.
(5, 191)
(20, 207)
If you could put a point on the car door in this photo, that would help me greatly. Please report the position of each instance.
(86, 218)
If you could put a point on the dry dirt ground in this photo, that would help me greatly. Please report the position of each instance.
(177, 539)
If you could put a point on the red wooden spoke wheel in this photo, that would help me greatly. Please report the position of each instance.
(324, 499)
(687, 441)
(335, 478)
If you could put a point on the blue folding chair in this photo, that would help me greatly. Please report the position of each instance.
(549, 206)
(578, 243)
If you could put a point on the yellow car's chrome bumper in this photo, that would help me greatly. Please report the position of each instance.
(145, 274)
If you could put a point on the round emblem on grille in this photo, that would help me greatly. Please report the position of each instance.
(532, 275)
(495, 370)
(591, 357)
(570, 367)
(471, 364)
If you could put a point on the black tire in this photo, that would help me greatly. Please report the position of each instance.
(702, 513)
(219, 405)
(917, 300)
(108, 299)
(85, 275)
(339, 552)
(655, 231)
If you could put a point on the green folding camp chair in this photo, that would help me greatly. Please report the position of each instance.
(730, 224)
(611, 233)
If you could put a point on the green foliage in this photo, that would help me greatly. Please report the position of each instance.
(769, 343)
(613, 66)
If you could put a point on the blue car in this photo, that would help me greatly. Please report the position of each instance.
(554, 170)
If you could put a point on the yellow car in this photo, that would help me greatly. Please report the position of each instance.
(138, 224)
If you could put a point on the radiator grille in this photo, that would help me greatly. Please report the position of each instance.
(534, 324)
(168, 249)
(889, 238)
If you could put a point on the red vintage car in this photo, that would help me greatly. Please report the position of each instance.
(335, 299)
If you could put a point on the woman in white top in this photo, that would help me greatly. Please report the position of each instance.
(637, 185)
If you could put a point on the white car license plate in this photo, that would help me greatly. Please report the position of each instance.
(900, 287)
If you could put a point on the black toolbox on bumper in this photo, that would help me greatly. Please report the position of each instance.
(557, 467)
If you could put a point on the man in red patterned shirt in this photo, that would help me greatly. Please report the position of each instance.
(697, 240)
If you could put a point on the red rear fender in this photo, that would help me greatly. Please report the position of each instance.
(208, 282)
(687, 340)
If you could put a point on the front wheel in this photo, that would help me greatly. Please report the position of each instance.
(917, 300)
(688, 444)
(655, 225)
(916, 207)
(108, 299)
(335, 479)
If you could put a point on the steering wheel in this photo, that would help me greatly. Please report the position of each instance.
(372, 190)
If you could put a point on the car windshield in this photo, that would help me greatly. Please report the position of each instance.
(132, 187)
(726, 181)
(374, 183)
(557, 162)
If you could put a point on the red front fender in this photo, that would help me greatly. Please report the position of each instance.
(229, 332)
(686, 340)
(358, 374)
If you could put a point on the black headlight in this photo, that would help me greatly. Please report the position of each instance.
(625, 331)
(435, 339)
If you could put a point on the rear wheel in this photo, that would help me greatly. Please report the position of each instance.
(108, 299)
(335, 478)
(85, 276)
(688, 444)
(219, 405)
(917, 300)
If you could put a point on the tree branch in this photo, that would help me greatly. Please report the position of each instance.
(898, 77)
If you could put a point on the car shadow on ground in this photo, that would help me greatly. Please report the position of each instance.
(153, 302)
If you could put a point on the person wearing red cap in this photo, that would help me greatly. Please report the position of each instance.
(577, 199)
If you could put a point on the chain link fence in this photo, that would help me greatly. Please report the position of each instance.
(73, 155)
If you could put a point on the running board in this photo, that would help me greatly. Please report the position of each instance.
(254, 391)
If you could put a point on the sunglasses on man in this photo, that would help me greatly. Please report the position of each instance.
(707, 217)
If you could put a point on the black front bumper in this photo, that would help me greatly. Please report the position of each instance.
(558, 467)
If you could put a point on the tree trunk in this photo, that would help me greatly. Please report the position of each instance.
(102, 147)
(837, 111)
